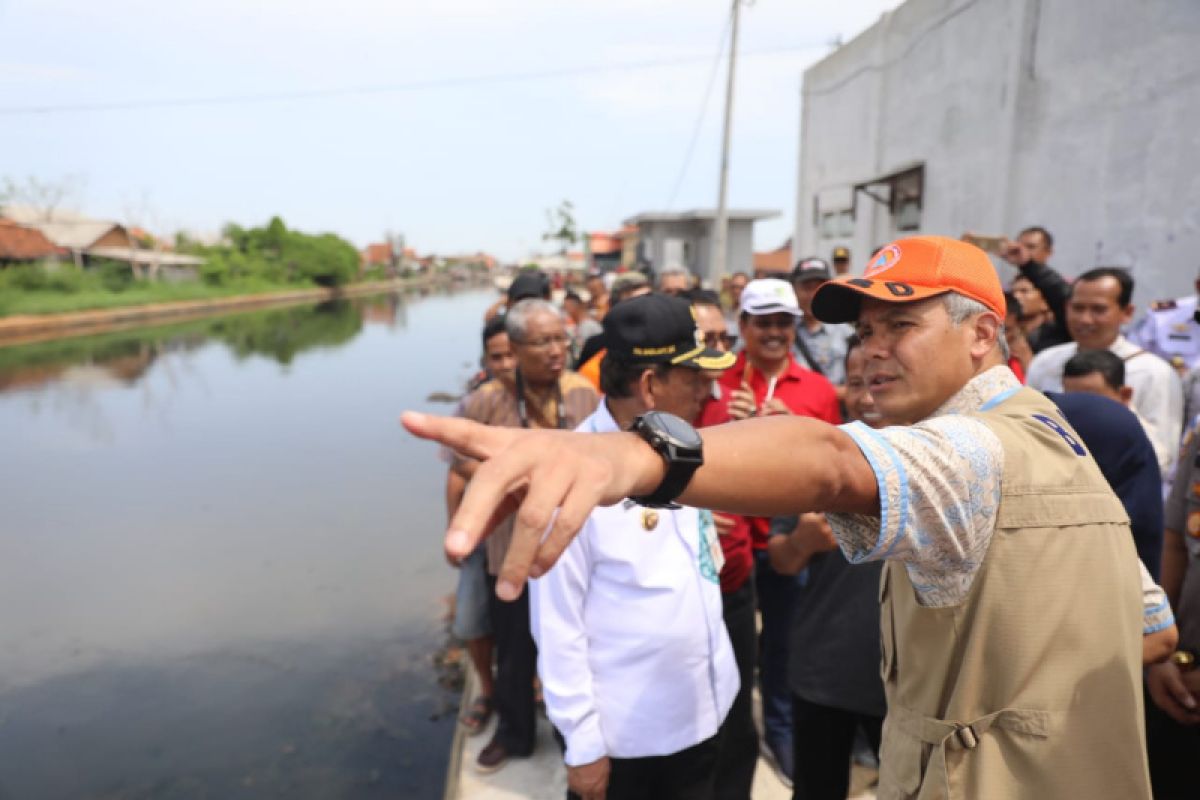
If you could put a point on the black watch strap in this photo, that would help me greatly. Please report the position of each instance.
(682, 463)
(679, 474)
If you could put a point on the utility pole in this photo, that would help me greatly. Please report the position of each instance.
(719, 265)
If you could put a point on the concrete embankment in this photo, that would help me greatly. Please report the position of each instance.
(31, 328)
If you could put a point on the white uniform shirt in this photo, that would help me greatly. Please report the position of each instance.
(1157, 391)
(1170, 330)
(633, 653)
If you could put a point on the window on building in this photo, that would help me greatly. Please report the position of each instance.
(829, 225)
(907, 189)
(903, 194)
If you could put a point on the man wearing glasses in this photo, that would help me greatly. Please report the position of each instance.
(542, 394)
(767, 380)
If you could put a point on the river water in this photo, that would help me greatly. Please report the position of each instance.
(220, 557)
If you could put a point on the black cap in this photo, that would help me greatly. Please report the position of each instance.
(659, 329)
(808, 269)
(530, 283)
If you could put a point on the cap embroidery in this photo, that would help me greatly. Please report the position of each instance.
(885, 259)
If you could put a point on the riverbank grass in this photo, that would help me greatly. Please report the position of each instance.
(32, 290)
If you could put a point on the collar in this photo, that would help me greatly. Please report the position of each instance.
(601, 420)
(980, 390)
(1123, 347)
(793, 370)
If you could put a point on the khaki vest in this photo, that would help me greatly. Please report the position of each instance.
(1031, 687)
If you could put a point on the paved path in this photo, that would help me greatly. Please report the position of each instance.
(543, 777)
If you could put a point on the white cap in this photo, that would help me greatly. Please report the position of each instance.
(769, 296)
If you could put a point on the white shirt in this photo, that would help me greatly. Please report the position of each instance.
(1157, 391)
(633, 653)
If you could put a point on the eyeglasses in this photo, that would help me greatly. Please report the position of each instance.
(713, 339)
(546, 342)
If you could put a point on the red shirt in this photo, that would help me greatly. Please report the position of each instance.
(803, 391)
(1015, 365)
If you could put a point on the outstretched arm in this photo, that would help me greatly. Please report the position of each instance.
(553, 479)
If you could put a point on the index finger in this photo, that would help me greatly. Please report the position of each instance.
(460, 435)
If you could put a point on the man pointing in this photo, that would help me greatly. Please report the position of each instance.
(1012, 607)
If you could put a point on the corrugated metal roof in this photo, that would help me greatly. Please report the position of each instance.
(145, 256)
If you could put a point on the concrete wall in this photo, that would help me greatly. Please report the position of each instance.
(739, 245)
(1079, 115)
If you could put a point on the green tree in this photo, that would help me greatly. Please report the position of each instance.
(561, 226)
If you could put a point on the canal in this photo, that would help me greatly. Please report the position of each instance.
(220, 558)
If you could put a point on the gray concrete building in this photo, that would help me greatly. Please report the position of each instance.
(685, 239)
(989, 116)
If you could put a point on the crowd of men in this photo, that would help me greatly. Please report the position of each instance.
(648, 635)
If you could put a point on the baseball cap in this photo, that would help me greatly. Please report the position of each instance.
(913, 269)
(841, 254)
(769, 296)
(811, 269)
(531, 283)
(660, 329)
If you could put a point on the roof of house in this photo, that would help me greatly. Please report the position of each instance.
(378, 253)
(18, 243)
(773, 261)
(138, 255)
(603, 243)
(701, 214)
(64, 228)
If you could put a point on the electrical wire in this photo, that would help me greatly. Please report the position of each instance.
(700, 117)
(349, 91)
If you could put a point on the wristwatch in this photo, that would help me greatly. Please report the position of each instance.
(680, 447)
(1184, 660)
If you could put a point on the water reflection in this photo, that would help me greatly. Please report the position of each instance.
(124, 356)
(220, 567)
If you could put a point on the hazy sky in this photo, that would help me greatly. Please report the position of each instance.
(460, 165)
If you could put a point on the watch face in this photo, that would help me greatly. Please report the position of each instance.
(679, 432)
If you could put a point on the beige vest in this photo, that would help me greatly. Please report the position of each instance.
(1031, 687)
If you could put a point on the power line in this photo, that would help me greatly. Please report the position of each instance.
(350, 91)
(712, 79)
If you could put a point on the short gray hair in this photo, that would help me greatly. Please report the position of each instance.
(674, 269)
(516, 321)
(961, 308)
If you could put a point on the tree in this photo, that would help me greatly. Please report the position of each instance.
(561, 226)
(44, 197)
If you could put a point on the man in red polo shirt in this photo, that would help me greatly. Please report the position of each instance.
(766, 380)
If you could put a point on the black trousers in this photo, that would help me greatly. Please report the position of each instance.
(823, 740)
(1174, 752)
(516, 665)
(738, 737)
(686, 775)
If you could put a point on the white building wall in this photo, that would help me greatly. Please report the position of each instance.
(1079, 115)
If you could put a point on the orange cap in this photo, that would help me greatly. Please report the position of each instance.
(913, 269)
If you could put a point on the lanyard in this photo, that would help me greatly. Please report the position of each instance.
(522, 411)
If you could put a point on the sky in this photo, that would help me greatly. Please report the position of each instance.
(457, 123)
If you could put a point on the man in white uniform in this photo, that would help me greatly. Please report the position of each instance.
(637, 669)
(1100, 304)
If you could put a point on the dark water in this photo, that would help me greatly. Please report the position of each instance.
(220, 559)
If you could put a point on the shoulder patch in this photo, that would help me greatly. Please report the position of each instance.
(1067, 436)
(1163, 305)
